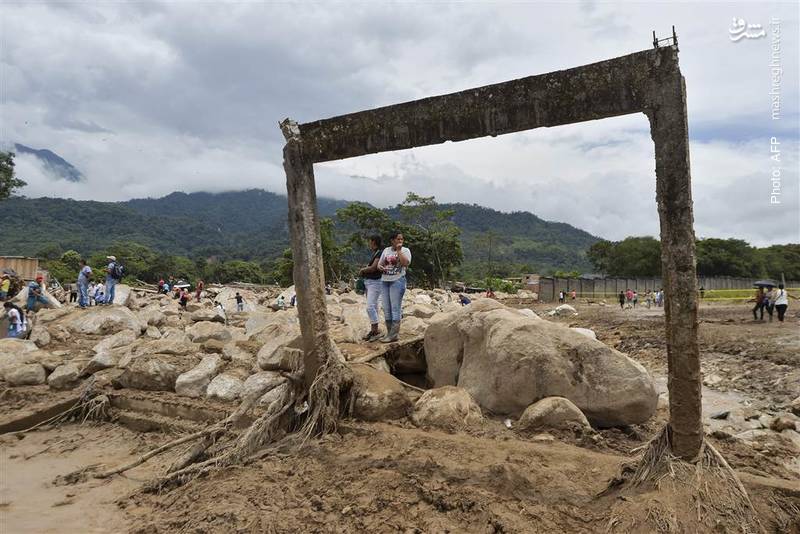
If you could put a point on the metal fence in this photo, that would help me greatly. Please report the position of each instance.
(718, 287)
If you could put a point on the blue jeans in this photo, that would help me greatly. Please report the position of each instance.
(110, 285)
(392, 293)
(33, 299)
(83, 292)
(374, 290)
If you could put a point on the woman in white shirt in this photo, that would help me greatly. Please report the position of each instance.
(781, 302)
(392, 265)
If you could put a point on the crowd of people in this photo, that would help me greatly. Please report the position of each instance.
(630, 298)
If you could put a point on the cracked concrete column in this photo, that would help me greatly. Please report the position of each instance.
(309, 277)
(669, 129)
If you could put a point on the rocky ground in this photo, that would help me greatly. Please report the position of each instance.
(431, 453)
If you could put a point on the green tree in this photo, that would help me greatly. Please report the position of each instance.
(600, 255)
(8, 180)
(71, 259)
(333, 255)
(728, 257)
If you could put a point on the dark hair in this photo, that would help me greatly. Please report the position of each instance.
(375, 238)
(780, 286)
(82, 261)
(7, 305)
(395, 234)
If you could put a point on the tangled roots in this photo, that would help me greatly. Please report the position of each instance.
(331, 394)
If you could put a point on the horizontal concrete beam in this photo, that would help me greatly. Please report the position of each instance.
(609, 88)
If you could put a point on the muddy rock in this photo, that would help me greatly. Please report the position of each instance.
(40, 336)
(552, 412)
(564, 309)
(26, 374)
(422, 311)
(506, 361)
(448, 407)
(206, 314)
(48, 315)
(212, 345)
(123, 296)
(273, 354)
(152, 316)
(224, 387)
(237, 355)
(152, 373)
(779, 424)
(59, 333)
(205, 330)
(65, 376)
(10, 347)
(257, 384)
(100, 361)
(104, 320)
(175, 334)
(585, 331)
(194, 382)
(152, 332)
(120, 339)
(527, 312)
(48, 360)
(380, 396)
(176, 346)
(794, 406)
(351, 298)
(273, 395)
(412, 326)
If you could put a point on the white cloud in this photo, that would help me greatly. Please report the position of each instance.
(147, 98)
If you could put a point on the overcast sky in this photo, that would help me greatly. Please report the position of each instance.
(147, 98)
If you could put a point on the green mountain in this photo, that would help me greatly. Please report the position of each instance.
(251, 225)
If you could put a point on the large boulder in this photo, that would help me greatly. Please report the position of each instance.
(422, 311)
(123, 295)
(224, 387)
(259, 383)
(152, 316)
(258, 321)
(120, 339)
(379, 395)
(65, 376)
(447, 407)
(104, 320)
(40, 336)
(154, 373)
(274, 355)
(552, 412)
(13, 347)
(173, 345)
(100, 361)
(227, 296)
(208, 314)
(205, 330)
(26, 374)
(193, 383)
(508, 361)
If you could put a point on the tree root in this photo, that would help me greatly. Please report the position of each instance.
(90, 406)
(331, 394)
(705, 491)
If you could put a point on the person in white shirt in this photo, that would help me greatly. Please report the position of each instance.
(393, 263)
(16, 320)
(781, 302)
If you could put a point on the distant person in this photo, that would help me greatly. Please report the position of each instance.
(769, 301)
(99, 294)
(36, 294)
(702, 292)
(16, 319)
(73, 292)
(5, 286)
(573, 294)
(561, 297)
(293, 300)
(760, 299)
(463, 299)
(200, 287)
(281, 303)
(113, 275)
(184, 298)
(660, 298)
(629, 295)
(490, 293)
(166, 288)
(393, 263)
(621, 300)
(239, 302)
(161, 285)
(84, 275)
(781, 302)
(372, 287)
(648, 299)
(635, 298)
(176, 293)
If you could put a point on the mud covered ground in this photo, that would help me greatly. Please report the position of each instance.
(394, 477)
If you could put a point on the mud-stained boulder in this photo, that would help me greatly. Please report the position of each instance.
(508, 361)
(152, 332)
(205, 330)
(224, 387)
(172, 333)
(380, 396)
(104, 320)
(208, 314)
(100, 361)
(412, 327)
(123, 296)
(352, 298)
(273, 354)
(48, 360)
(59, 333)
(120, 339)
(152, 316)
(48, 315)
(151, 373)
(422, 311)
(238, 356)
(259, 383)
(25, 374)
(352, 324)
(193, 383)
(12, 347)
(585, 331)
(40, 336)
(564, 309)
(274, 395)
(65, 376)
(527, 312)
(422, 299)
(552, 412)
(174, 346)
(447, 407)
